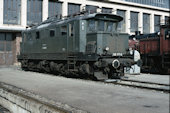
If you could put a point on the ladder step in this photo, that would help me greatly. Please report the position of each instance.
(71, 62)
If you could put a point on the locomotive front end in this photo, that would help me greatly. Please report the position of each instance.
(110, 46)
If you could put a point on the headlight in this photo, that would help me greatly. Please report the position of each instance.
(115, 63)
(107, 48)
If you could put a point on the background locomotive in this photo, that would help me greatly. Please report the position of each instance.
(154, 49)
(82, 45)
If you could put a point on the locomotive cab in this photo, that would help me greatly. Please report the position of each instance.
(109, 46)
(102, 34)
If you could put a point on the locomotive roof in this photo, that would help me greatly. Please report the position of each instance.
(54, 20)
(145, 36)
(104, 15)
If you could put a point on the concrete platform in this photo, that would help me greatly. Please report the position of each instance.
(94, 97)
(153, 78)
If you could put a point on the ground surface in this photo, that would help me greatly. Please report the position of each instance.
(94, 97)
(3, 110)
(163, 79)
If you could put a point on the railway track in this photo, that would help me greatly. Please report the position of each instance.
(141, 84)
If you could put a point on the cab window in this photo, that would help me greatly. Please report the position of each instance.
(64, 30)
(111, 26)
(100, 25)
(52, 33)
(37, 35)
(71, 30)
(91, 25)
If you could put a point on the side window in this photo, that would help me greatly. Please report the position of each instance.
(37, 35)
(71, 29)
(64, 30)
(52, 33)
(29, 37)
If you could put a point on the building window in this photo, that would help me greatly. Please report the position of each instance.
(121, 25)
(133, 21)
(106, 10)
(91, 9)
(34, 11)
(146, 23)
(9, 39)
(73, 9)
(2, 40)
(157, 3)
(12, 12)
(156, 23)
(54, 9)
(6, 40)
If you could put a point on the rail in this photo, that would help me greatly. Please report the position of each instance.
(140, 84)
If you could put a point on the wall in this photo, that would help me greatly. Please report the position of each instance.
(19, 101)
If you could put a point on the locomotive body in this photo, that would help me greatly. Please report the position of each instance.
(84, 46)
(155, 51)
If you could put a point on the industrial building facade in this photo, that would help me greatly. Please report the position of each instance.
(15, 15)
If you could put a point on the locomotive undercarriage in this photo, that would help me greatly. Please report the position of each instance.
(96, 70)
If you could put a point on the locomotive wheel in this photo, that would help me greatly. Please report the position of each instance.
(86, 70)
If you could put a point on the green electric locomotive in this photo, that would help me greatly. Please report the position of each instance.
(85, 46)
